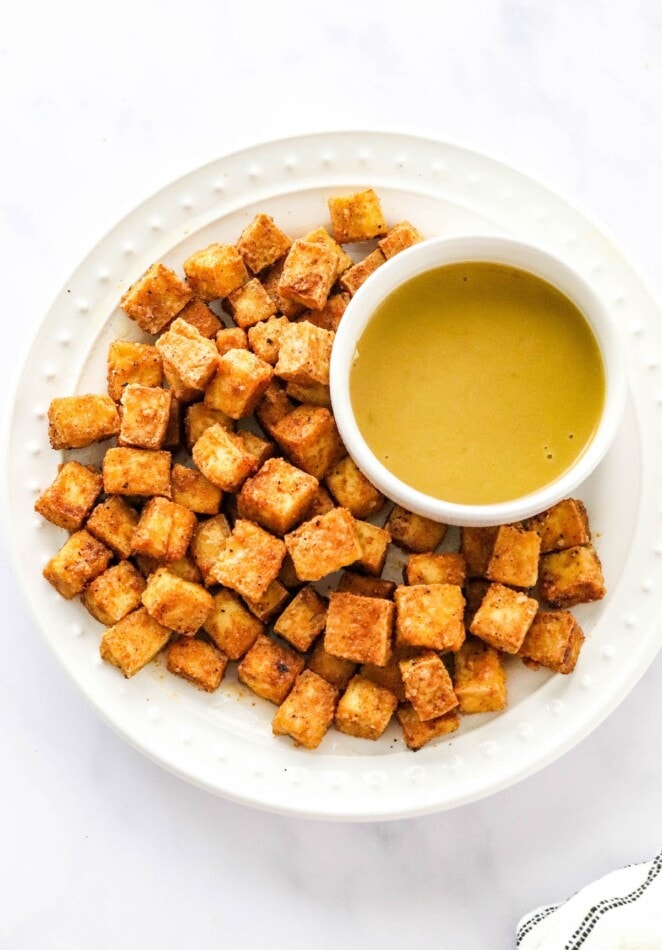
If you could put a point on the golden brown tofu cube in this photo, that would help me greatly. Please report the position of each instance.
(309, 437)
(359, 628)
(431, 616)
(197, 661)
(114, 594)
(250, 305)
(479, 679)
(199, 417)
(564, 525)
(570, 577)
(304, 354)
(389, 676)
(303, 619)
(184, 567)
(277, 497)
(273, 406)
(324, 544)
(144, 414)
(191, 489)
(173, 433)
(215, 271)
(333, 669)
(313, 394)
(178, 604)
(321, 504)
(231, 338)
(428, 687)
(208, 538)
(365, 709)
(113, 522)
(554, 640)
(231, 626)
(308, 274)
(503, 618)
(329, 317)
(202, 317)
(130, 362)
(514, 557)
(262, 243)
(270, 280)
(133, 642)
(77, 421)
(401, 236)
(414, 532)
(260, 448)
(249, 560)
(240, 382)
(179, 389)
(193, 357)
(155, 298)
(352, 490)
(322, 236)
(264, 338)
(288, 576)
(69, 499)
(351, 583)
(357, 217)
(223, 458)
(79, 561)
(136, 472)
(374, 543)
(164, 530)
(475, 590)
(269, 669)
(447, 568)
(307, 712)
(270, 603)
(357, 275)
(417, 733)
(476, 545)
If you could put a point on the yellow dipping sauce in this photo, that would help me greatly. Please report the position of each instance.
(477, 383)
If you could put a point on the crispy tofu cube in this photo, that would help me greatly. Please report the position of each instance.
(262, 243)
(479, 679)
(475, 590)
(231, 626)
(389, 676)
(197, 661)
(321, 504)
(144, 414)
(133, 642)
(155, 298)
(418, 733)
(208, 538)
(288, 576)
(231, 338)
(357, 217)
(270, 669)
(564, 525)
(476, 545)
(374, 543)
(333, 669)
(270, 603)
(414, 532)
(136, 472)
(277, 497)
(514, 557)
(184, 567)
(249, 560)
(308, 274)
(447, 568)
(77, 421)
(428, 687)
(365, 709)
(359, 628)
(202, 317)
(573, 576)
(322, 236)
(180, 390)
(70, 498)
(191, 489)
(352, 490)
(173, 433)
(303, 619)
(307, 712)
(431, 616)
(313, 394)
(215, 271)
(351, 583)
(164, 530)
(503, 618)
(240, 382)
(199, 417)
(554, 640)
(324, 544)
(264, 338)
(401, 236)
(260, 448)
(114, 594)
(250, 305)
(309, 437)
(304, 354)
(223, 458)
(357, 275)
(329, 317)
(273, 406)
(130, 362)
(193, 357)
(270, 280)
(178, 604)
(113, 522)
(79, 561)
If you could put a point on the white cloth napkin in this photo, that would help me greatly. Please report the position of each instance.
(622, 911)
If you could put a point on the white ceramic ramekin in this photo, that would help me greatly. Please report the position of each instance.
(435, 253)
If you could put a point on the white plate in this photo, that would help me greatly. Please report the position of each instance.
(223, 741)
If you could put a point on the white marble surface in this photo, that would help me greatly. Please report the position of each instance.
(100, 106)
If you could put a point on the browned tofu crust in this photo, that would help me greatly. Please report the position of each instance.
(401, 236)
(359, 628)
(77, 421)
(241, 381)
(133, 642)
(197, 661)
(262, 243)
(114, 594)
(430, 616)
(357, 217)
(303, 619)
(304, 354)
(329, 317)
(554, 640)
(231, 338)
(428, 687)
(357, 275)
(79, 561)
(307, 712)
(504, 617)
(130, 362)
(353, 583)
(447, 568)
(570, 577)
(208, 538)
(264, 338)
(308, 435)
(215, 271)
(113, 522)
(352, 490)
(479, 679)
(270, 603)
(164, 530)
(375, 543)
(417, 733)
(70, 498)
(270, 669)
(564, 525)
(334, 669)
(324, 544)
(249, 560)
(365, 709)
(193, 356)
(231, 626)
(191, 489)
(144, 414)
(322, 236)
(155, 298)
(177, 604)
(250, 305)
(136, 472)
(202, 317)
(308, 274)
(278, 496)
(514, 558)
(414, 532)
(223, 458)
(476, 545)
